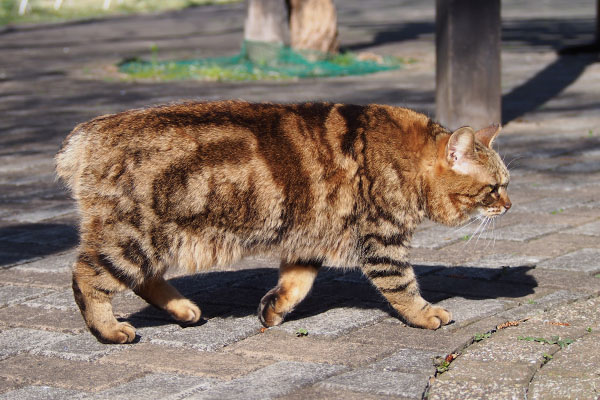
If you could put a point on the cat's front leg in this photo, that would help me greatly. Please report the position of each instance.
(396, 281)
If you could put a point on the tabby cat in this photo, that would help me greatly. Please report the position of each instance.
(201, 184)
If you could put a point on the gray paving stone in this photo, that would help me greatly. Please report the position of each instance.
(525, 232)
(10, 295)
(62, 300)
(62, 262)
(43, 214)
(560, 388)
(213, 335)
(83, 347)
(589, 229)
(409, 360)
(533, 307)
(438, 236)
(17, 340)
(390, 383)
(504, 260)
(464, 310)
(507, 349)
(580, 167)
(157, 386)
(42, 393)
(550, 204)
(582, 313)
(273, 381)
(495, 372)
(444, 390)
(584, 260)
(336, 321)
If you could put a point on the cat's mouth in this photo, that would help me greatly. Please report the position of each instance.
(493, 212)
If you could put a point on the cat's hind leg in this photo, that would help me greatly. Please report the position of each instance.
(295, 281)
(161, 294)
(94, 285)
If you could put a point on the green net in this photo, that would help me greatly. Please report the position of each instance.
(260, 61)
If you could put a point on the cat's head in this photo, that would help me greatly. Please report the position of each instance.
(469, 178)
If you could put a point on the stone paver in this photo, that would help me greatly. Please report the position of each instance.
(213, 335)
(273, 381)
(157, 387)
(587, 260)
(536, 266)
(223, 366)
(18, 340)
(42, 393)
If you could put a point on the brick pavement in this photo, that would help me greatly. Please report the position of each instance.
(540, 264)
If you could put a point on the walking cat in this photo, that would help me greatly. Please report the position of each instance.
(195, 185)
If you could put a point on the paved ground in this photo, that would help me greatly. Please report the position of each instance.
(539, 268)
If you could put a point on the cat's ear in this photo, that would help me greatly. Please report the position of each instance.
(487, 135)
(460, 150)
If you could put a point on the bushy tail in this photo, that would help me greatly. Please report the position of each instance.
(69, 158)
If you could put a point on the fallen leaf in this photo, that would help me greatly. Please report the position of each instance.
(559, 323)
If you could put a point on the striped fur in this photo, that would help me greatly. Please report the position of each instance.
(196, 185)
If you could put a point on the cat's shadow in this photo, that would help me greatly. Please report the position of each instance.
(238, 293)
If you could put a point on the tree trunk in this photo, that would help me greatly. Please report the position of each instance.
(267, 21)
(313, 26)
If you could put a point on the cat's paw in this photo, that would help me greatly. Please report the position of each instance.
(184, 310)
(429, 317)
(266, 309)
(436, 317)
(118, 333)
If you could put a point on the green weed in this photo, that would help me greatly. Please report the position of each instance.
(562, 343)
(301, 332)
(480, 336)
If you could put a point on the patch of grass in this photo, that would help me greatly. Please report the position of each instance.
(169, 71)
(597, 276)
(589, 329)
(590, 133)
(562, 343)
(466, 237)
(480, 336)
(547, 357)
(42, 11)
(557, 211)
(531, 301)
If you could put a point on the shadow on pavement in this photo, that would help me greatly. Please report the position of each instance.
(27, 241)
(238, 293)
(544, 85)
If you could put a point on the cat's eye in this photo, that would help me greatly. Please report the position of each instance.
(493, 188)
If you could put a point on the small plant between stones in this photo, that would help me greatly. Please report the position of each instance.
(480, 336)
(301, 332)
(442, 364)
(562, 343)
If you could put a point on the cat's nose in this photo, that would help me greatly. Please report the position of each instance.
(507, 205)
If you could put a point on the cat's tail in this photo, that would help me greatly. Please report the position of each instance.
(70, 157)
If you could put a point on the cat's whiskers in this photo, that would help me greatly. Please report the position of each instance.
(460, 228)
(513, 160)
(486, 221)
(493, 226)
(482, 219)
